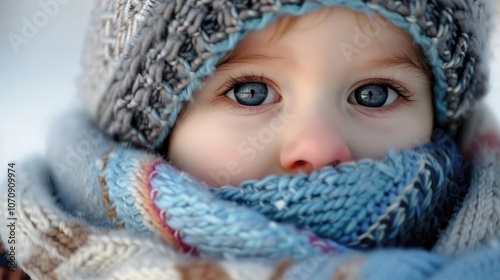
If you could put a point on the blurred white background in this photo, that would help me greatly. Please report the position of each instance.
(39, 74)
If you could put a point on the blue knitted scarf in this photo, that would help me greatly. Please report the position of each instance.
(401, 200)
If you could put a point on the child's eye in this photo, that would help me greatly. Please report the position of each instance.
(373, 95)
(252, 94)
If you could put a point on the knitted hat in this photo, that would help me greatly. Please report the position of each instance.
(144, 59)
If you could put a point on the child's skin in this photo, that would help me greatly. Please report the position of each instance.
(308, 109)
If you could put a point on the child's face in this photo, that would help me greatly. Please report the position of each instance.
(319, 93)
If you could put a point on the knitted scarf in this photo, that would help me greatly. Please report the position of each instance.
(400, 200)
(165, 212)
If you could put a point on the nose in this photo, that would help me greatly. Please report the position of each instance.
(312, 143)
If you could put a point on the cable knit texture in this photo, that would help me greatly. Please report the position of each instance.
(479, 216)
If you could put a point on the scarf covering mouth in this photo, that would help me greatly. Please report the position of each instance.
(57, 243)
(403, 199)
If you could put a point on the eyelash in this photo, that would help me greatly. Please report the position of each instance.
(246, 78)
(232, 82)
(397, 87)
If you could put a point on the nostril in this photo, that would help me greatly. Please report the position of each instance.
(300, 163)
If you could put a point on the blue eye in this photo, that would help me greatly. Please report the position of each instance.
(373, 95)
(250, 94)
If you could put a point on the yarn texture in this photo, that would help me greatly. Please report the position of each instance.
(361, 205)
(142, 218)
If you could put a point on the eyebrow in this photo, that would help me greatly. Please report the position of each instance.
(246, 58)
(413, 60)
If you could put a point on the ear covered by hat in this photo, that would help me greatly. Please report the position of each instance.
(144, 59)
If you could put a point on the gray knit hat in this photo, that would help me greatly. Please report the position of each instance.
(144, 59)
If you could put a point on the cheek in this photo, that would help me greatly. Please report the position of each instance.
(201, 149)
(373, 138)
(212, 149)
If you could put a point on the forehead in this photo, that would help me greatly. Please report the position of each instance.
(369, 35)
